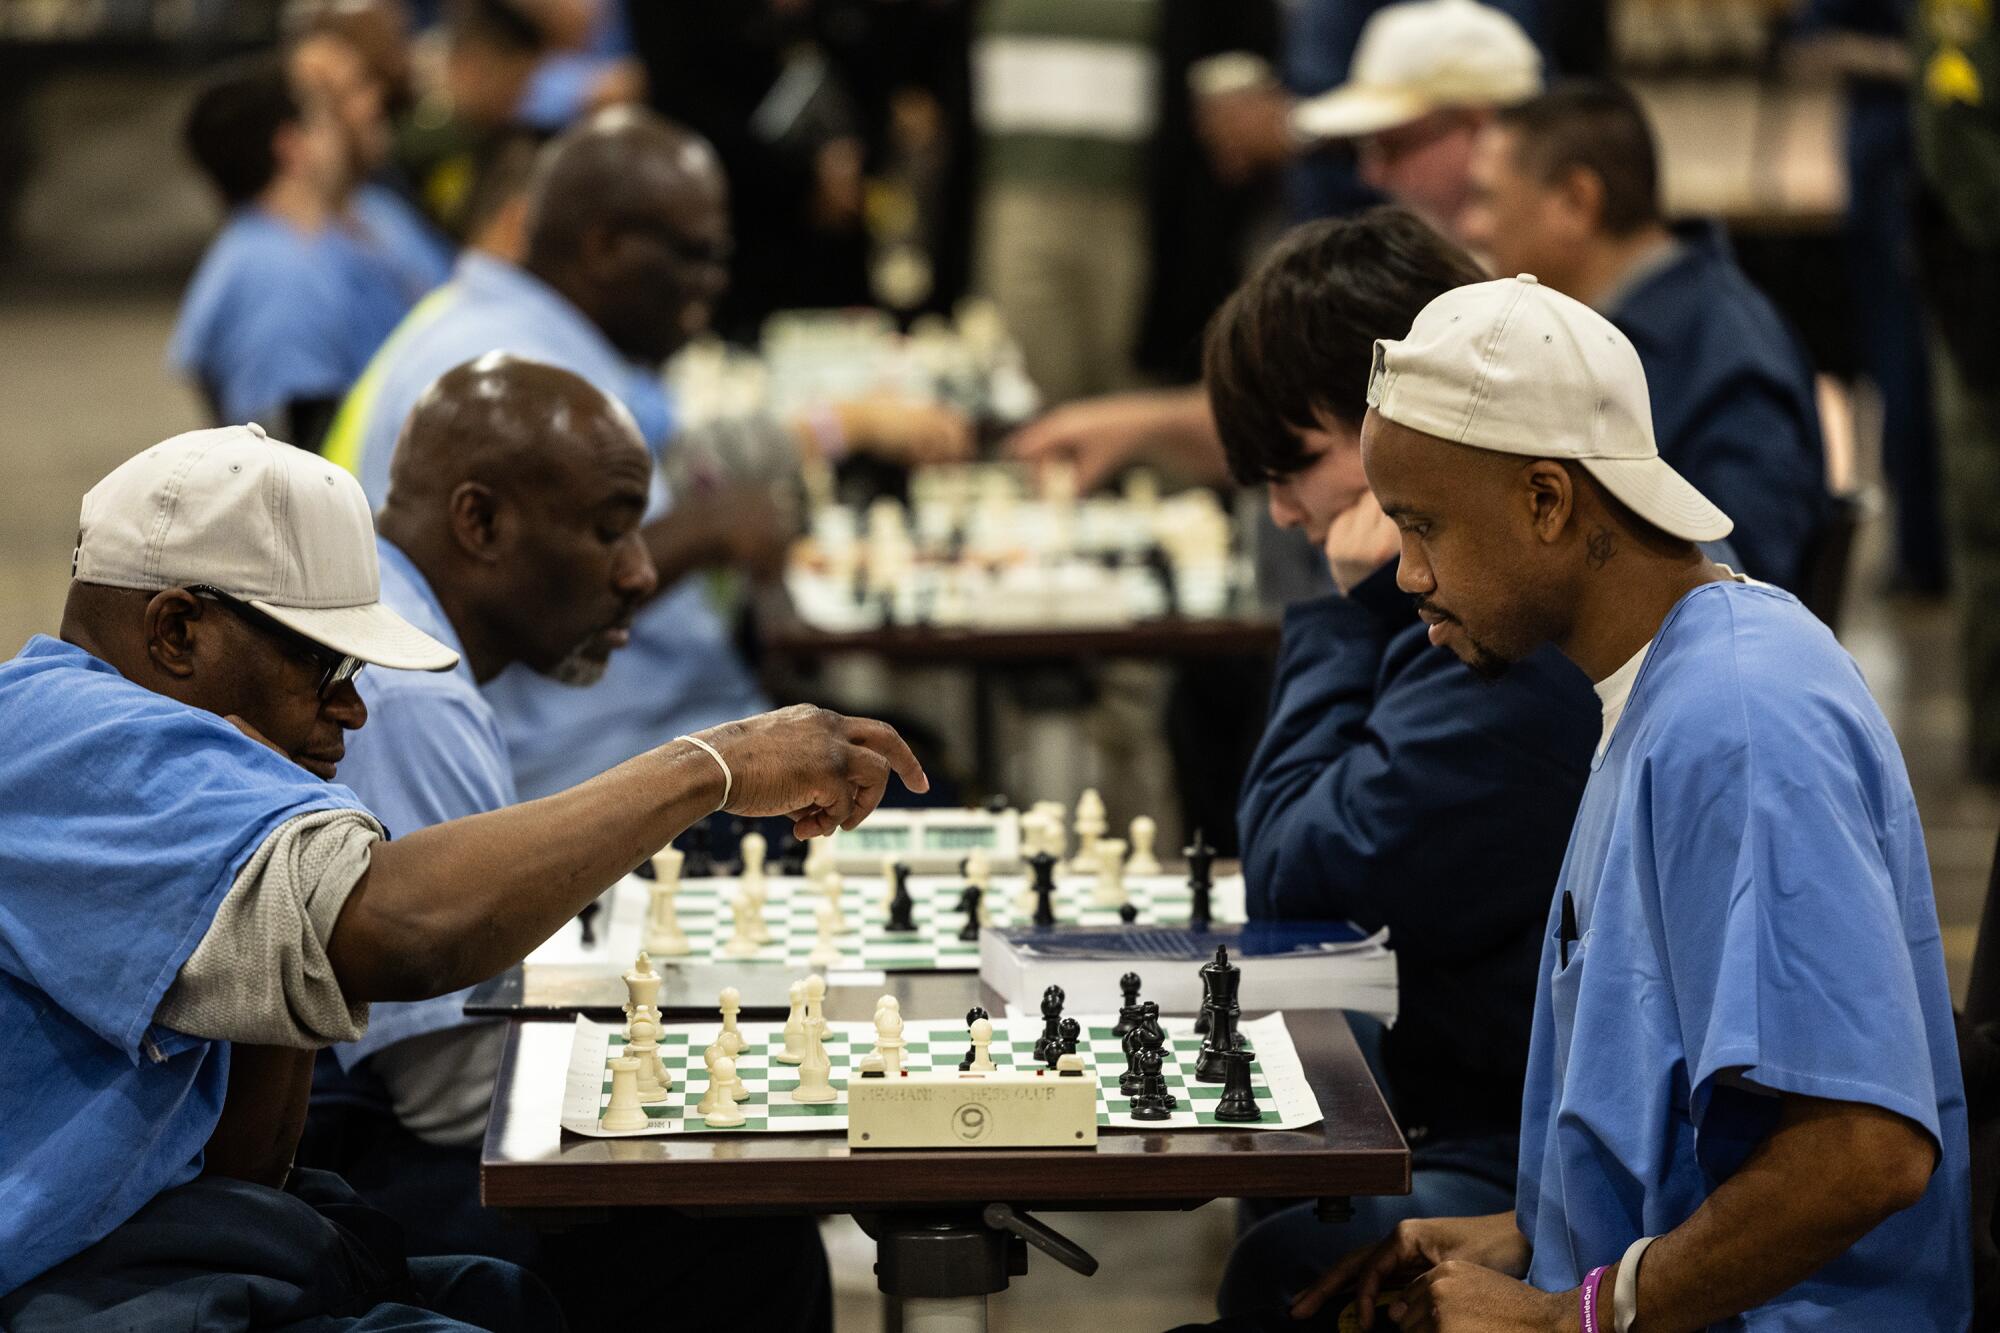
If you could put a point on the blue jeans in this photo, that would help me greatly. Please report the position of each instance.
(1283, 1253)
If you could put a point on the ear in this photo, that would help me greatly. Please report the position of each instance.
(173, 624)
(1551, 497)
(478, 525)
(1580, 195)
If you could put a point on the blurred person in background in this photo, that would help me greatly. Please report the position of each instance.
(1566, 187)
(488, 52)
(1958, 158)
(1427, 76)
(1107, 231)
(330, 67)
(1865, 44)
(587, 66)
(291, 299)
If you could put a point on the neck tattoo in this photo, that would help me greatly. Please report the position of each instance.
(1598, 550)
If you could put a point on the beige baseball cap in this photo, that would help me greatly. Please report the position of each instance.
(1515, 367)
(274, 526)
(1419, 57)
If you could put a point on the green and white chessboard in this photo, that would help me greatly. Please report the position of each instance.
(1277, 1078)
(791, 909)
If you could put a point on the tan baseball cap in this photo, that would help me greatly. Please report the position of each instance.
(1419, 57)
(1513, 366)
(274, 526)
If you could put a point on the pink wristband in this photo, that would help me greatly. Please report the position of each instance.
(1587, 1294)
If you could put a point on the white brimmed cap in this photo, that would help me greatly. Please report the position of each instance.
(274, 526)
(1515, 367)
(1418, 57)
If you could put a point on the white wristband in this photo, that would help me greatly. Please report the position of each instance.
(728, 778)
(1625, 1295)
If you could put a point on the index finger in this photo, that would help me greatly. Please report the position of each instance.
(868, 790)
(1334, 1280)
(883, 740)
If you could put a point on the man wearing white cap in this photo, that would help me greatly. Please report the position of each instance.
(192, 907)
(1744, 1106)
(1425, 79)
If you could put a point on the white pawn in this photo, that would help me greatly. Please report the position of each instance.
(888, 882)
(795, 1027)
(1055, 829)
(815, 1071)
(624, 1112)
(888, 1004)
(752, 848)
(712, 1098)
(831, 888)
(742, 935)
(1110, 891)
(819, 859)
(979, 871)
(982, 1041)
(889, 1039)
(731, 1036)
(647, 1052)
(724, 1115)
(826, 950)
(1142, 860)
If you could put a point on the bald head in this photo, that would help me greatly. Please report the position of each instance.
(517, 489)
(628, 218)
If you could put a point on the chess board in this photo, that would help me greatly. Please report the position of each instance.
(1277, 1078)
(792, 904)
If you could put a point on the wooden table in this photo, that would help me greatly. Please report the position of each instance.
(950, 1226)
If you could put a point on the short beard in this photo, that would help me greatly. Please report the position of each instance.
(1484, 663)
(580, 668)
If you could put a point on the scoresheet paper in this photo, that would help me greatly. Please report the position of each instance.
(1277, 1078)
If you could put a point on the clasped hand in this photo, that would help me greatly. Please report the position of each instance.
(1462, 1276)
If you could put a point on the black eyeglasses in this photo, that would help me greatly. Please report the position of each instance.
(334, 667)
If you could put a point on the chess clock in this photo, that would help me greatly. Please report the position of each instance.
(929, 842)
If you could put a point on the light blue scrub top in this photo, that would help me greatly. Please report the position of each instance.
(124, 819)
(276, 315)
(431, 752)
(680, 673)
(1754, 905)
(399, 235)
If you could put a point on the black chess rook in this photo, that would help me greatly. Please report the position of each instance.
(1239, 1102)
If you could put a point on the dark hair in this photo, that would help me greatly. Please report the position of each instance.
(1597, 126)
(1297, 339)
(232, 123)
(499, 24)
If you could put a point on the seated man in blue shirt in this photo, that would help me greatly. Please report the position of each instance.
(628, 243)
(1566, 187)
(511, 534)
(290, 301)
(1744, 1107)
(193, 907)
(1392, 787)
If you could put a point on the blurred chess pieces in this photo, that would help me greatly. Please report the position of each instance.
(1043, 888)
(625, 1111)
(820, 860)
(815, 1071)
(970, 903)
(1142, 861)
(1201, 880)
(724, 1114)
(826, 949)
(1054, 822)
(831, 888)
(1090, 826)
(1110, 868)
(972, 1017)
(663, 935)
(742, 933)
(752, 849)
(902, 907)
(795, 1026)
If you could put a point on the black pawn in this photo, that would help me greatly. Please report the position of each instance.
(1150, 1104)
(1048, 1047)
(968, 903)
(1238, 1104)
(1044, 866)
(972, 1015)
(1128, 1012)
(586, 919)
(1072, 1032)
(1128, 913)
(1153, 1082)
(902, 907)
(1201, 879)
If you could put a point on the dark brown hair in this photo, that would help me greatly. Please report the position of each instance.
(1597, 126)
(1296, 340)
